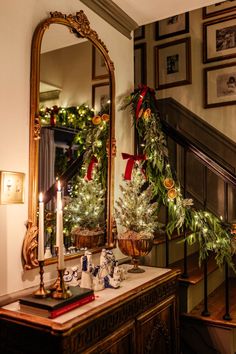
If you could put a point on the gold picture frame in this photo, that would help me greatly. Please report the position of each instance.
(12, 187)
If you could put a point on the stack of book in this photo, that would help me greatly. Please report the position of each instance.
(52, 308)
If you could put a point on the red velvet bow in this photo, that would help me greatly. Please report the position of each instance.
(143, 91)
(130, 163)
(93, 161)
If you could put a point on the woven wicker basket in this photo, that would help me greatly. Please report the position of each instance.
(88, 238)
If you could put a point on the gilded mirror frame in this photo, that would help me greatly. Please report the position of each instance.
(78, 25)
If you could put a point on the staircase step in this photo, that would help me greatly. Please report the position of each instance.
(195, 273)
(216, 307)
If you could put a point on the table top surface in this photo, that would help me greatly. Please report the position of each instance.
(134, 283)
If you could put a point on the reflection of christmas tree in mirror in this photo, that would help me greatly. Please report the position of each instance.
(84, 214)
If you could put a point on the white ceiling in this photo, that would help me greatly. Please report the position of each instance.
(147, 11)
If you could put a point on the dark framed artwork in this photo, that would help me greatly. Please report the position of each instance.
(173, 64)
(139, 33)
(220, 85)
(219, 39)
(172, 26)
(219, 8)
(140, 70)
(99, 68)
(100, 96)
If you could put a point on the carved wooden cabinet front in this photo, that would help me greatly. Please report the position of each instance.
(141, 320)
(157, 330)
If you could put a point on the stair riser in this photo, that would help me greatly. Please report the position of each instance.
(201, 338)
(195, 292)
(157, 256)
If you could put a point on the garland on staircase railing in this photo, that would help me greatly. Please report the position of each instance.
(202, 226)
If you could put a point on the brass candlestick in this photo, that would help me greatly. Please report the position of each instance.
(55, 285)
(61, 292)
(41, 291)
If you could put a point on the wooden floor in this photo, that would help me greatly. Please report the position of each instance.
(216, 306)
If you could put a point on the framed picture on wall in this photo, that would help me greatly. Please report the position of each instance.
(139, 33)
(172, 26)
(99, 69)
(140, 71)
(220, 85)
(12, 187)
(173, 64)
(219, 8)
(100, 97)
(219, 39)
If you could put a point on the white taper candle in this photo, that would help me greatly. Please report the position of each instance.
(41, 229)
(61, 262)
(58, 216)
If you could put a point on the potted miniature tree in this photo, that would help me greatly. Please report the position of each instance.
(136, 214)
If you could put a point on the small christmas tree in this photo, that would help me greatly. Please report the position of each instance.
(86, 205)
(135, 210)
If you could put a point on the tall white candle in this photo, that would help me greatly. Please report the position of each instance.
(61, 262)
(41, 229)
(58, 215)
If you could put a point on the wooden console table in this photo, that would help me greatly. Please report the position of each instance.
(139, 317)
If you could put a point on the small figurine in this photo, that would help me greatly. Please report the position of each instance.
(71, 276)
(86, 266)
(111, 261)
(110, 282)
(117, 273)
(98, 282)
(104, 271)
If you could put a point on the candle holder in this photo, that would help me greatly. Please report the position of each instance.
(55, 285)
(41, 292)
(61, 292)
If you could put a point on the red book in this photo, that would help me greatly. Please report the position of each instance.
(53, 308)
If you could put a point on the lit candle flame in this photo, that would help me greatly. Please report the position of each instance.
(58, 185)
(40, 197)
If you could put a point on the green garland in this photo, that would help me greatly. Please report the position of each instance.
(92, 131)
(203, 227)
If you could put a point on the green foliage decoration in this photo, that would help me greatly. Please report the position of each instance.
(203, 227)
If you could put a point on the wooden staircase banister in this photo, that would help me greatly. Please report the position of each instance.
(198, 151)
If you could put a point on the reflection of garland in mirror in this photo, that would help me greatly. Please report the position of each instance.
(85, 204)
(91, 133)
(205, 228)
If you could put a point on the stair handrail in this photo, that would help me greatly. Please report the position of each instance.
(199, 152)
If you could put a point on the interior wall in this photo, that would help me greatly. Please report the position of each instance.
(69, 68)
(17, 23)
(191, 95)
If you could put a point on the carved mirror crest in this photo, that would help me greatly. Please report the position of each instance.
(72, 136)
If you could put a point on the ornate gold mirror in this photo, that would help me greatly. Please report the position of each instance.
(71, 136)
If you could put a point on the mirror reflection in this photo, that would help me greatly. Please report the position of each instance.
(74, 132)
